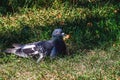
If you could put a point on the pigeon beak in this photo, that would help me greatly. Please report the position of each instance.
(63, 34)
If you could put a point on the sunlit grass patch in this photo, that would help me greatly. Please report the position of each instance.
(91, 65)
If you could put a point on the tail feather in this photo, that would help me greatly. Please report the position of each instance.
(16, 52)
(10, 50)
(16, 45)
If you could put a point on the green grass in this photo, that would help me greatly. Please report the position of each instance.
(86, 26)
(94, 64)
(94, 43)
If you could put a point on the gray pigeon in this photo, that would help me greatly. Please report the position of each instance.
(51, 47)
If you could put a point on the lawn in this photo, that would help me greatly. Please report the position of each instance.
(94, 64)
(94, 44)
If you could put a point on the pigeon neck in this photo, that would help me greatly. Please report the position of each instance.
(55, 39)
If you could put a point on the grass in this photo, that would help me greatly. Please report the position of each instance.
(91, 25)
(94, 43)
(94, 64)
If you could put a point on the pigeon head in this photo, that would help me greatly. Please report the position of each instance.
(58, 34)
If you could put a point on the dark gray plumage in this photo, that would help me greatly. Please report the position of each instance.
(42, 48)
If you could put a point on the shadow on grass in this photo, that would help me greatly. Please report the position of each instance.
(10, 7)
(85, 34)
(94, 31)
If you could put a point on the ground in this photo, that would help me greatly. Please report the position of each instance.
(94, 64)
(94, 44)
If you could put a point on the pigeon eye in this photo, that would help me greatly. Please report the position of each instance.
(56, 31)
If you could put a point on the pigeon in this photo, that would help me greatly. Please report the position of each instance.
(52, 47)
